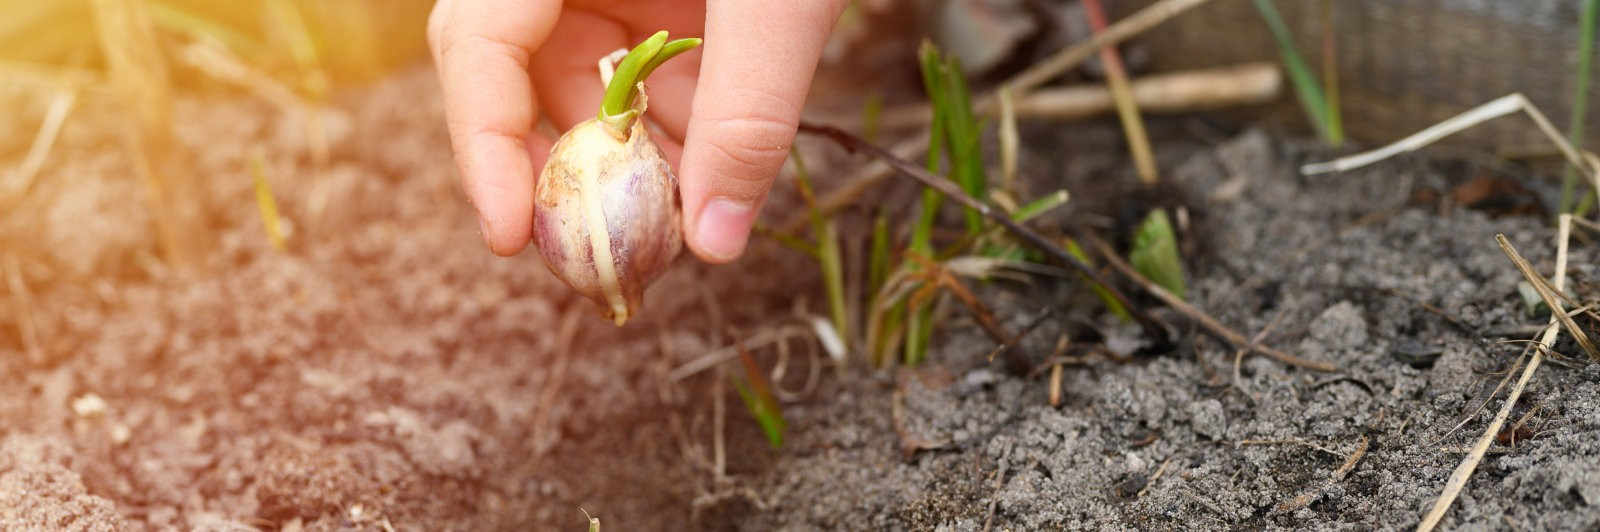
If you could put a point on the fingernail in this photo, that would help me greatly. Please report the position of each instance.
(723, 227)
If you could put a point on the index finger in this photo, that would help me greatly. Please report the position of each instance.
(482, 48)
(759, 59)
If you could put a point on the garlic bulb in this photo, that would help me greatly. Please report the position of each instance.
(606, 215)
(606, 208)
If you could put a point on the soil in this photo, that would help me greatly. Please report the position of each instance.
(385, 372)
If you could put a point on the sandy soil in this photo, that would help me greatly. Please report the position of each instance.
(388, 373)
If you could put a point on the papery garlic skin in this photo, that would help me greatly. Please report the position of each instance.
(606, 214)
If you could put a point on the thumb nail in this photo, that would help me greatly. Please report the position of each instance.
(723, 228)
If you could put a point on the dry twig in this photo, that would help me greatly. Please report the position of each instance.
(1238, 356)
(1199, 316)
(1458, 478)
(1167, 93)
(994, 501)
(1499, 107)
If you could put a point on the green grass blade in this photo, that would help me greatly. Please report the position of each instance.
(756, 392)
(1040, 206)
(1580, 99)
(765, 412)
(1330, 70)
(828, 254)
(921, 233)
(919, 329)
(1305, 82)
(889, 336)
(965, 142)
(878, 260)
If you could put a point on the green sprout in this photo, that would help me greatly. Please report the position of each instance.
(616, 107)
(1155, 253)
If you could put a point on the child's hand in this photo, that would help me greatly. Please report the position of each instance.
(502, 62)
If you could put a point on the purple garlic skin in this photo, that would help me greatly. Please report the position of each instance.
(606, 214)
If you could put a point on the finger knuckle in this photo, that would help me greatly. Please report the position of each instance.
(452, 47)
(756, 141)
(754, 145)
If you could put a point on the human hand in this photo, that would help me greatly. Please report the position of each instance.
(729, 110)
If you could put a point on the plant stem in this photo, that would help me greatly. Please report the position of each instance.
(616, 107)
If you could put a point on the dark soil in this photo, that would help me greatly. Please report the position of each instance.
(387, 372)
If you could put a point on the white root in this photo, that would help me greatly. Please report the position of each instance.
(608, 65)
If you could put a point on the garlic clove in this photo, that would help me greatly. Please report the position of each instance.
(607, 214)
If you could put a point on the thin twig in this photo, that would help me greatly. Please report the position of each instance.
(1167, 93)
(851, 142)
(1306, 498)
(1499, 107)
(1510, 372)
(981, 312)
(1522, 421)
(1238, 356)
(1199, 316)
(1153, 478)
(755, 341)
(1545, 292)
(1458, 478)
(1324, 450)
(846, 194)
(994, 501)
